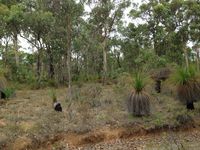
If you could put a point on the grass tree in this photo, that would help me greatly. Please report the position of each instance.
(159, 76)
(139, 101)
(188, 87)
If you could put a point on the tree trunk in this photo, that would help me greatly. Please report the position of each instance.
(68, 53)
(39, 65)
(51, 69)
(104, 62)
(118, 60)
(15, 43)
(5, 56)
(197, 53)
(51, 66)
(186, 57)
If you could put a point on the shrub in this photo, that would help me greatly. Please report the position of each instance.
(124, 82)
(89, 94)
(184, 119)
(147, 59)
(9, 92)
(139, 101)
(53, 96)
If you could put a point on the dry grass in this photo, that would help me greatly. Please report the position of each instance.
(30, 114)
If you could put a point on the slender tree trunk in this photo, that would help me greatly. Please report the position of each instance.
(118, 60)
(39, 65)
(5, 56)
(87, 62)
(69, 32)
(186, 57)
(51, 66)
(51, 69)
(104, 62)
(197, 52)
(68, 53)
(15, 43)
(87, 68)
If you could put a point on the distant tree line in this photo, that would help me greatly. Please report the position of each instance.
(73, 44)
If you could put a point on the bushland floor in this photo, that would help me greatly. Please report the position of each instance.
(97, 118)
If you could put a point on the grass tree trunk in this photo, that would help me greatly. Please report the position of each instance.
(158, 86)
(190, 105)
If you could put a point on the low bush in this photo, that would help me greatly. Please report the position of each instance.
(9, 92)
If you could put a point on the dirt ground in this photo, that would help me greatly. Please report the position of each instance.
(97, 119)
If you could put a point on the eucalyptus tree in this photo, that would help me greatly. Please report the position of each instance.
(193, 15)
(68, 14)
(104, 18)
(13, 22)
(168, 25)
(4, 12)
(38, 24)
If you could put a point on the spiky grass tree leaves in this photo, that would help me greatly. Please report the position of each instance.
(139, 82)
(188, 87)
(139, 101)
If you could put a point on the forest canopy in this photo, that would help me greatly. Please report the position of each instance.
(70, 43)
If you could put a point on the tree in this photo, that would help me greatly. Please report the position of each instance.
(168, 26)
(38, 23)
(13, 23)
(104, 17)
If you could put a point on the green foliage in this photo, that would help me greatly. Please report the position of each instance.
(9, 92)
(53, 95)
(42, 83)
(160, 39)
(24, 75)
(124, 83)
(184, 75)
(147, 60)
(139, 82)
